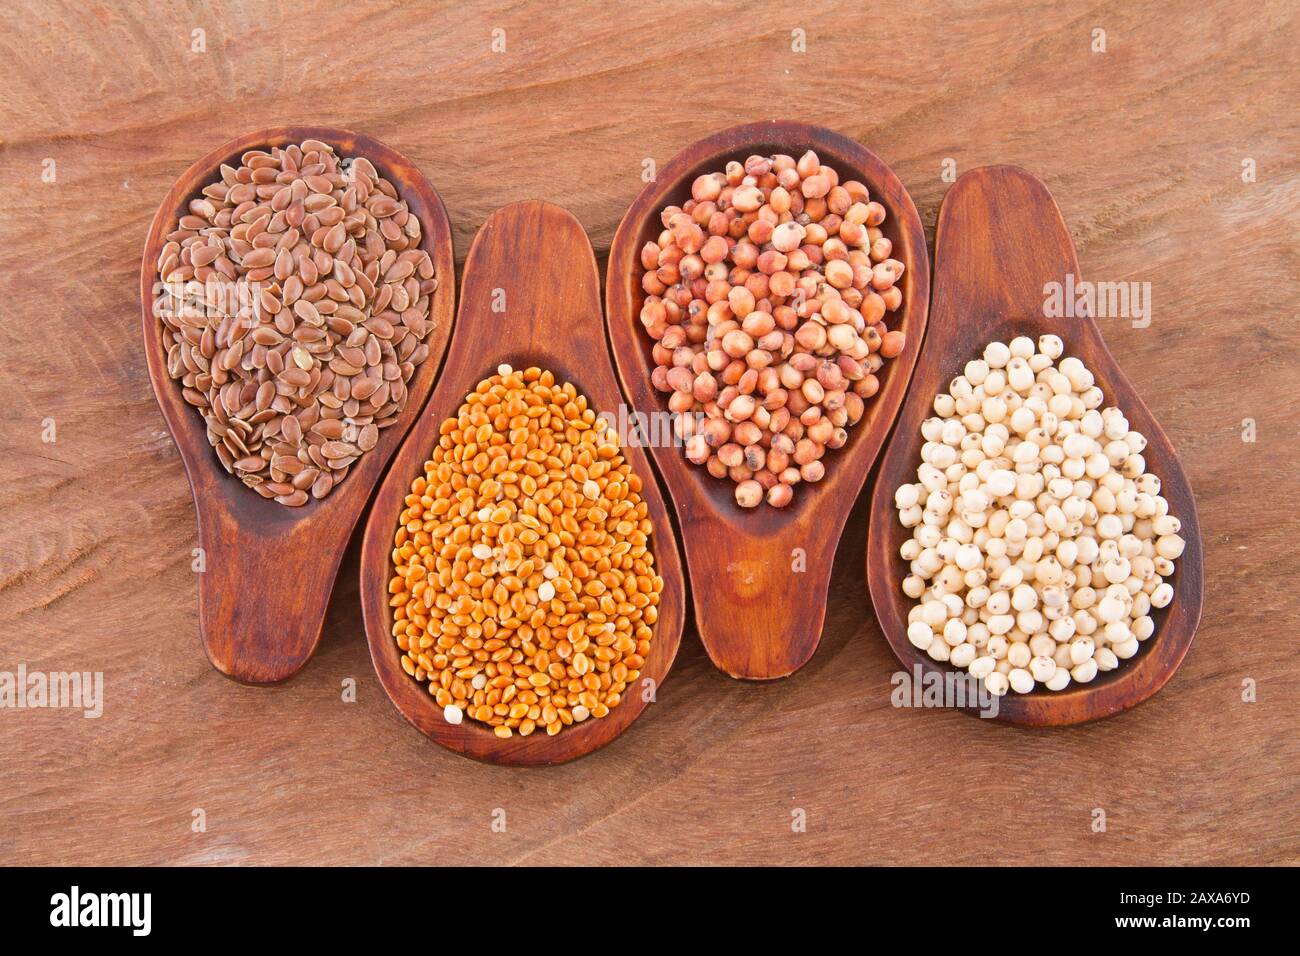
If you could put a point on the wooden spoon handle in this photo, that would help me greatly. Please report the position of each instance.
(766, 603)
(530, 275)
(1003, 231)
(263, 592)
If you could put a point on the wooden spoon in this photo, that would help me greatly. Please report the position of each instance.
(268, 569)
(1000, 238)
(760, 576)
(533, 260)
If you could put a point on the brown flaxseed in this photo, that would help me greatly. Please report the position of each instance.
(280, 299)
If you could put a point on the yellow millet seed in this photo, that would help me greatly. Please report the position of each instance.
(524, 589)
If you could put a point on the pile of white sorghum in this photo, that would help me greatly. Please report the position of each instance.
(765, 296)
(1039, 541)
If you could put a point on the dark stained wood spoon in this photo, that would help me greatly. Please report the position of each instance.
(535, 258)
(999, 240)
(759, 577)
(269, 569)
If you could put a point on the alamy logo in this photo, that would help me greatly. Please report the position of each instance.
(656, 429)
(75, 908)
(1075, 298)
(23, 689)
(933, 688)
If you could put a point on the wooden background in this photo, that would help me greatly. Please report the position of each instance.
(1143, 147)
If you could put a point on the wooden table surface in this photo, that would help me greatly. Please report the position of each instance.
(1144, 146)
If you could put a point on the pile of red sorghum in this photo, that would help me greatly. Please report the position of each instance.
(766, 295)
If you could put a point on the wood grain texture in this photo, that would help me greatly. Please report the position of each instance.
(530, 296)
(1142, 147)
(1000, 241)
(253, 628)
(759, 587)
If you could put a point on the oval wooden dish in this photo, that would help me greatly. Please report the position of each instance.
(1000, 239)
(759, 576)
(530, 296)
(270, 569)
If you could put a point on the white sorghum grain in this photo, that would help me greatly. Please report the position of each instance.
(1039, 541)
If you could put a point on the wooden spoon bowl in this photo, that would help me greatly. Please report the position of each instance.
(1000, 238)
(530, 296)
(269, 569)
(761, 575)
